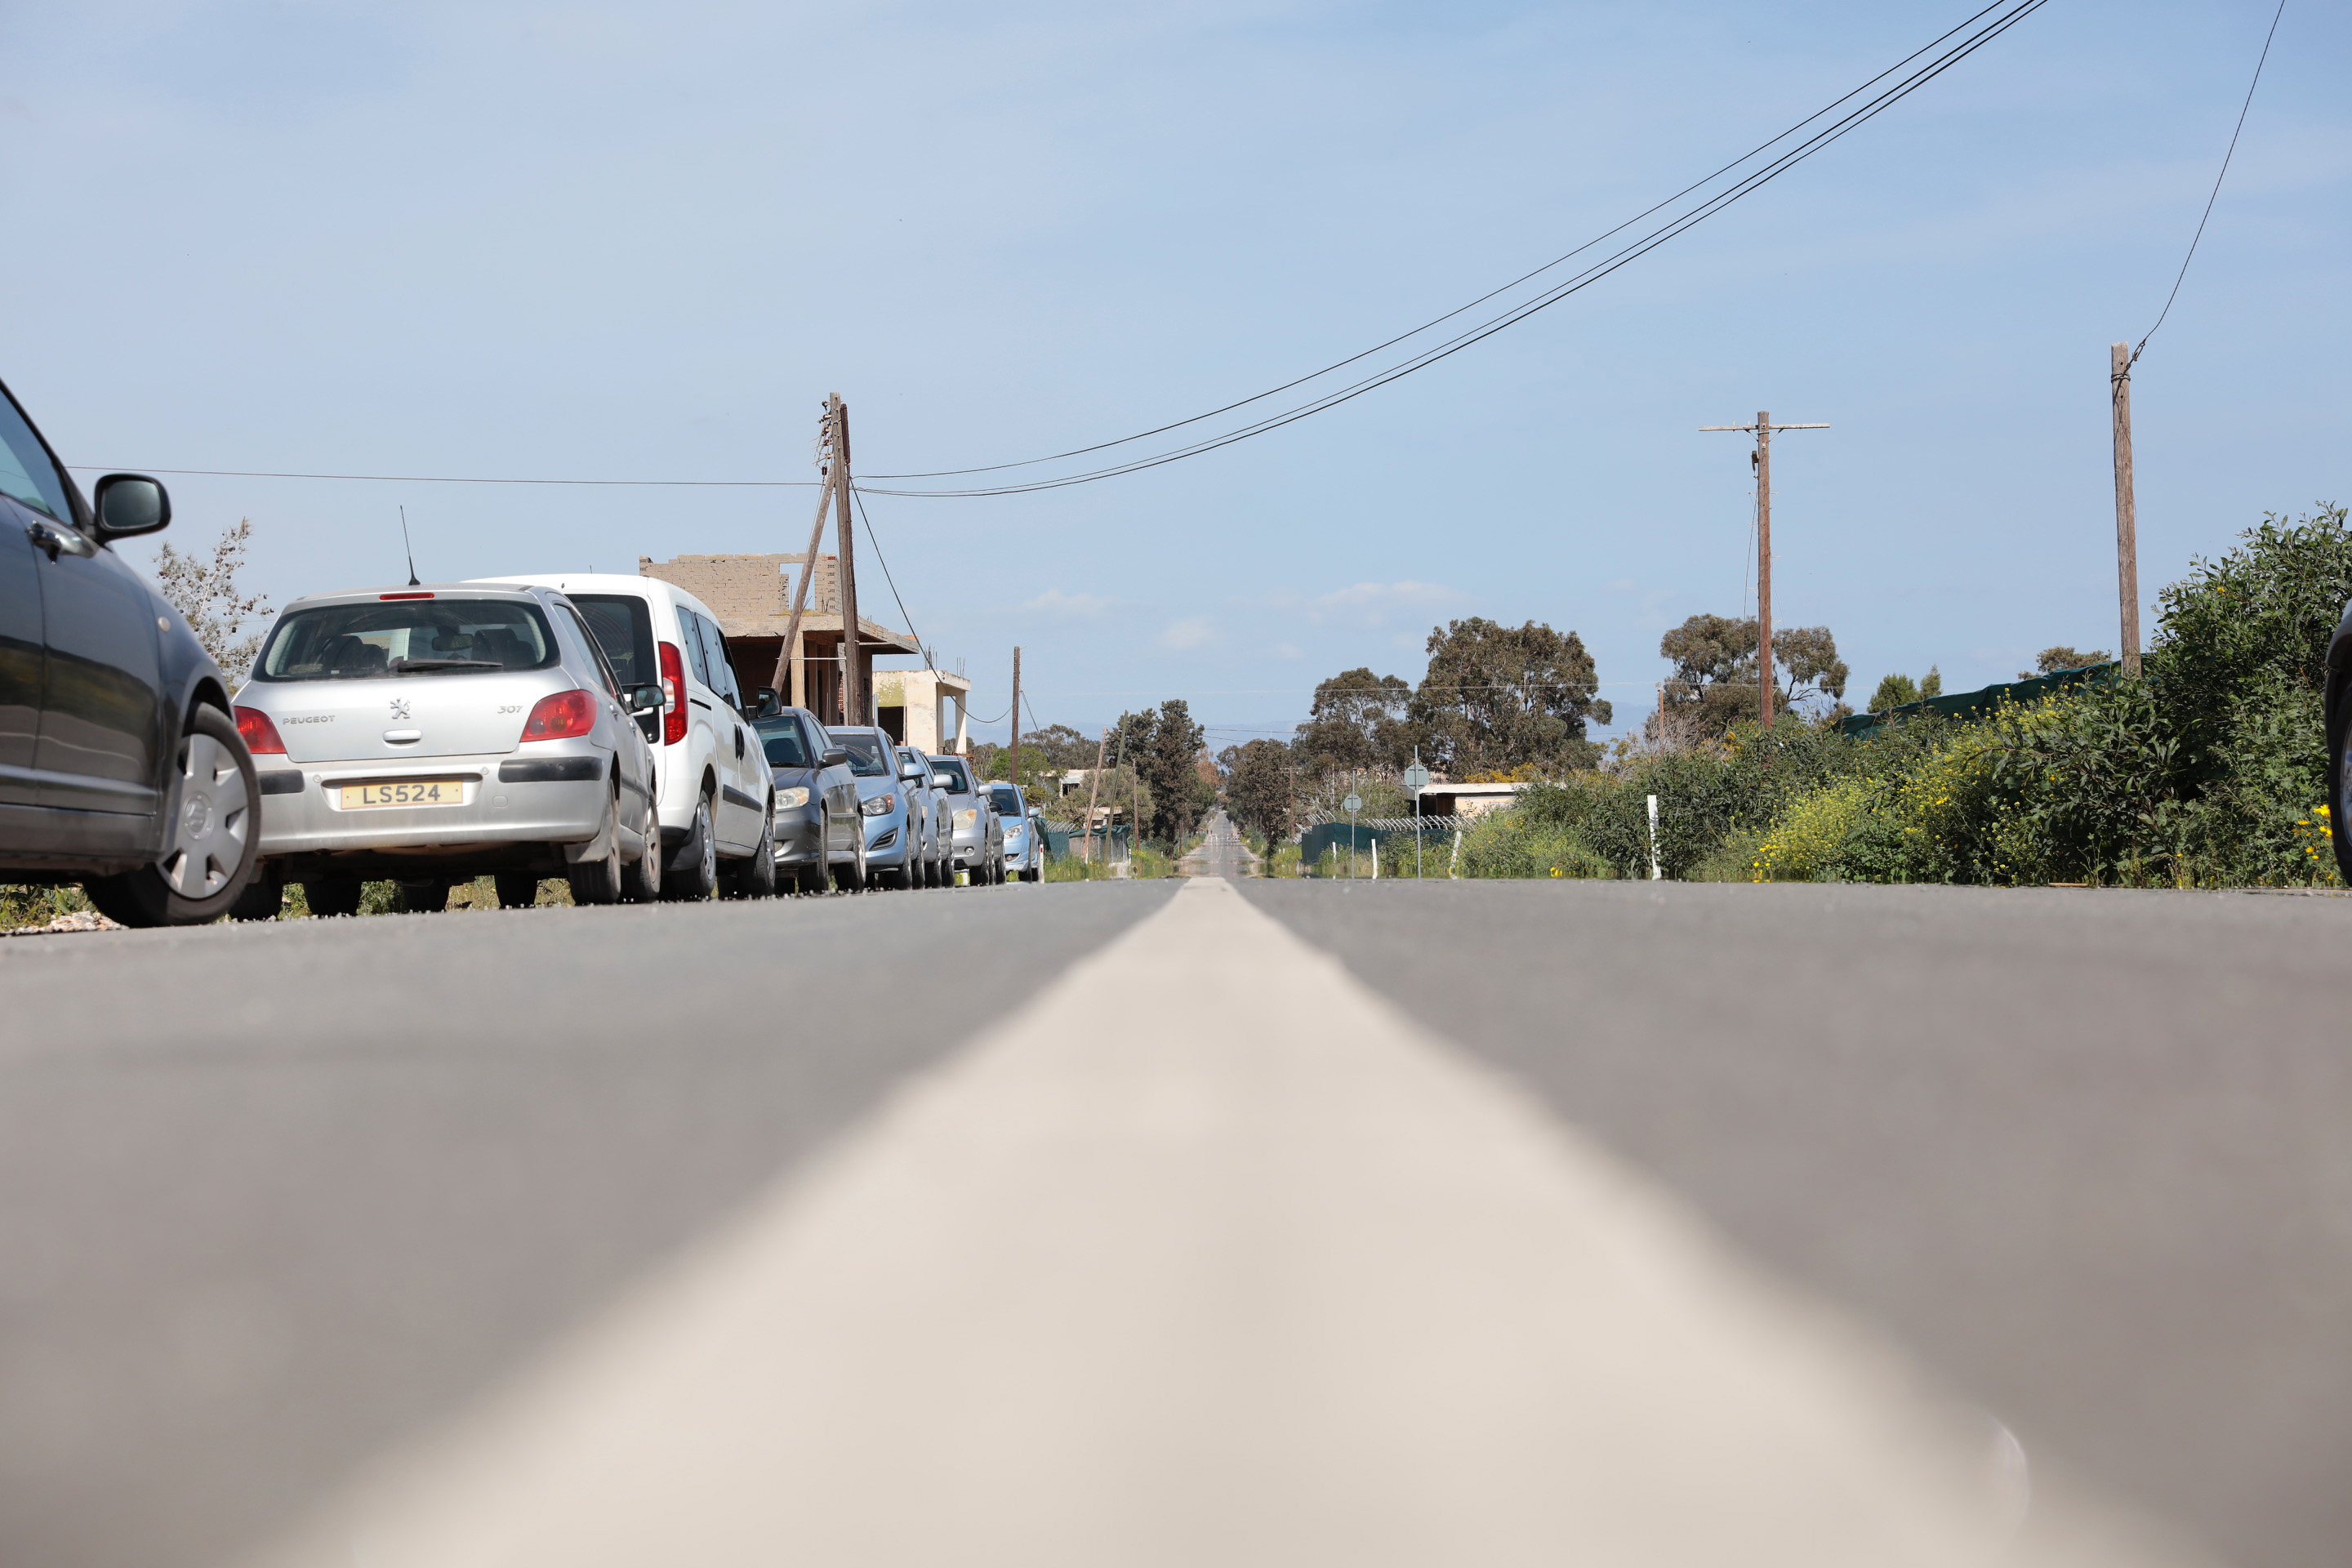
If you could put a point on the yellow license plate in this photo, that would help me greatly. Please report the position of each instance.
(408, 791)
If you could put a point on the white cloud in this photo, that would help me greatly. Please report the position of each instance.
(1191, 632)
(1288, 650)
(1054, 602)
(1365, 604)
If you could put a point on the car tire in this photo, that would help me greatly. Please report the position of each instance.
(334, 895)
(693, 870)
(598, 881)
(640, 883)
(210, 835)
(2340, 784)
(424, 897)
(517, 890)
(852, 878)
(262, 900)
(754, 876)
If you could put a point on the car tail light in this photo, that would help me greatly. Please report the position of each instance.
(403, 595)
(673, 680)
(562, 717)
(260, 735)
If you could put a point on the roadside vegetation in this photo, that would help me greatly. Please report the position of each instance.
(2208, 770)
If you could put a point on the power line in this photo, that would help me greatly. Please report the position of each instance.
(449, 479)
(904, 613)
(2013, 12)
(2217, 178)
(1415, 331)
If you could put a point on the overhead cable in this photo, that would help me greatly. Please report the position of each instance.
(1942, 54)
(2223, 174)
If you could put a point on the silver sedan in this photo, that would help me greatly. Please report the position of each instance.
(429, 734)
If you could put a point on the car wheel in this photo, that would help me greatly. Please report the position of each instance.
(598, 881)
(693, 872)
(517, 890)
(262, 900)
(334, 895)
(209, 837)
(851, 878)
(2339, 787)
(754, 876)
(641, 883)
(424, 897)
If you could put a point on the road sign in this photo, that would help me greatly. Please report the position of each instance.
(1416, 777)
(1352, 805)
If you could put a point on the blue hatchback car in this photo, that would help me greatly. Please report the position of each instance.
(894, 847)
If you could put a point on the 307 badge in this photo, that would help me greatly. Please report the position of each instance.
(407, 791)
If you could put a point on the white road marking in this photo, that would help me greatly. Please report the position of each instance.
(1208, 1259)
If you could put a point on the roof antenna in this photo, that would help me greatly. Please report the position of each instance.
(410, 548)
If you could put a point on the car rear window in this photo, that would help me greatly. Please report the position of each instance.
(438, 636)
(954, 770)
(1007, 800)
(624, 630)
(869, 755)
(785, 742)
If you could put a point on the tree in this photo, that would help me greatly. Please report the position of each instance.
(1165, 749)
(207, 594)
(1893, 691)
(1715, 684)
(1260, 791)
(1498, 697)
(2051, 660)
(1359, 721)
(1053, 750)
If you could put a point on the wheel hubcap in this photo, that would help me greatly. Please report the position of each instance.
(208, 829)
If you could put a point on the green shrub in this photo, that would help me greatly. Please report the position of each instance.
(1522, 843)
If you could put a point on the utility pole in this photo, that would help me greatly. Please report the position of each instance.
(2119, 363)
(852, 668)
(1094, 793)
(790, 676)
(1762, 459)
(1012, 765)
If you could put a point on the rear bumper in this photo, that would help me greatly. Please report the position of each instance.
(517, 810)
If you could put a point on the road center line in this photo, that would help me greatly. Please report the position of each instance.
(1207, 1257)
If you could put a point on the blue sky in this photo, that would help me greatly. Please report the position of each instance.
(645, 242)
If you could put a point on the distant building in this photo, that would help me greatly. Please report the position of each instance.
(1465, 799)
(753, 597)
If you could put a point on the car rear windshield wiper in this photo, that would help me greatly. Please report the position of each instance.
(406, 666)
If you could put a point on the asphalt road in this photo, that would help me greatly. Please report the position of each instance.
(276, 1201)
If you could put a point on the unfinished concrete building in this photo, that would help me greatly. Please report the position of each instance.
(753, 597)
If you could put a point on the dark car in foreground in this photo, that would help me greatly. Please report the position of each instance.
(120, 766)
(2338, 710)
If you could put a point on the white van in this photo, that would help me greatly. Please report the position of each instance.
(712, 791)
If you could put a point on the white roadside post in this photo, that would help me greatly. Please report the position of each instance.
(1353, 803)
(1416, 779)
(1656, 874)
(1376, 859)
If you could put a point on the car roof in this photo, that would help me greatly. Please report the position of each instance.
(486, 589)
(610, 583)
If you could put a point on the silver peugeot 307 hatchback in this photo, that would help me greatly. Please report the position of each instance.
(428, 734)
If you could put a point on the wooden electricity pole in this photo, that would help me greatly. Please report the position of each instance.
(853, 669)
(2119, 363)
(1763, 429)
(1094, 792)
(1013, 761)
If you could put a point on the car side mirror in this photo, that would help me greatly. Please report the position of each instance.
(910, 770)
(765, 701)
(833, 757)
(131, 504)
(644, 698)
(943, 781)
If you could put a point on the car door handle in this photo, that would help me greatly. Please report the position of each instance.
(56, 541)
(738, 743)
